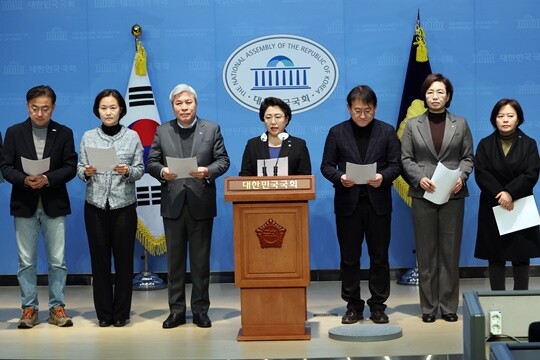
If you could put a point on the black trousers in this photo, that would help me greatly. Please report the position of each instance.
(520, 271)
(111, 234)
(182, 234)
(351, 231)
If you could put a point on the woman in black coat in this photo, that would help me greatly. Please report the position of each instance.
(506, 169)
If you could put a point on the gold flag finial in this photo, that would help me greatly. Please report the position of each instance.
(136, 30)
(140, 53)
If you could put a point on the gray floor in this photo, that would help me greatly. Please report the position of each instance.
(143, 337)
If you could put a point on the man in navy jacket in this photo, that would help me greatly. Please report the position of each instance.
(40, 202)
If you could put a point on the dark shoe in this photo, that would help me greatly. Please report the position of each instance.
(104, 323)
(450, 317)
(351, 317)
(428, 318)
(202, 320)
(379, 317)
(119, 323)
(174, 320)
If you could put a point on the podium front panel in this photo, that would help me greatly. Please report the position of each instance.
(288, 308)
(271, 244)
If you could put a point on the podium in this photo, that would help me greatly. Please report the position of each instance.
(271, 254)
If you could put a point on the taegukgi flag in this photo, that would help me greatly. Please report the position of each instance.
(143, 117)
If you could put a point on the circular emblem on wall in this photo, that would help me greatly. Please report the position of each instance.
(298, 70)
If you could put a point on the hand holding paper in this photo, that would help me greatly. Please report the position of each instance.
(523, 216)
(35, 167)
(445, 180)
(182, 166)
(35, 170)
(102, 159)
(360, 174)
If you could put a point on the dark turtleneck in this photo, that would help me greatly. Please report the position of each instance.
(506, 141)
(436, 125)
(111, 130)
(361, 136)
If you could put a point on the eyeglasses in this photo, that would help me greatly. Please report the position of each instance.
(37, 109)
(366, 111)
(276, 117)
(439, 93)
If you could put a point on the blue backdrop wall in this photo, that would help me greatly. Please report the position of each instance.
(489, 50)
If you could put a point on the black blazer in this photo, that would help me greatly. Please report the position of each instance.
(59, 147)
(295, 149)
(383, 148)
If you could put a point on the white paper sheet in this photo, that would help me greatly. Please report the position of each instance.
(270, 164)
(182, 166)
(102, 159)
(523, 216)
(360, 174)
(444, 180)
(35, 167)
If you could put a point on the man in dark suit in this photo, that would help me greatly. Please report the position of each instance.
(363, 210)
(40, 202)
(188, 205)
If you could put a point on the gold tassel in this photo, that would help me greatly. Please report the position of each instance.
(417, 108)
(402, 189)
(154, 245)
(140, 59)
(421, 48)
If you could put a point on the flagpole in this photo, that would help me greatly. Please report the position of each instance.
(145, 280)
(418, 68)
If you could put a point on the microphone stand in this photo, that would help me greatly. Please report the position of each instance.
(276, 167)
(264, 168)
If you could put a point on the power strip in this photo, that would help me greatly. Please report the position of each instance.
(495, 322)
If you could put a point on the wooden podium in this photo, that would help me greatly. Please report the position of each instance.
(271, 254)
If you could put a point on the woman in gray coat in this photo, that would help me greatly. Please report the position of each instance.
(433, 137)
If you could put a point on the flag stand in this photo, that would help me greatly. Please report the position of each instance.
(147, 280)
(410, 277)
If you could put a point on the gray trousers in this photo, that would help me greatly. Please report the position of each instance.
(438, 230)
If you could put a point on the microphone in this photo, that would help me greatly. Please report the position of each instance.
(264, 168)
(281, 136)
(264, 138)
(276, 167)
